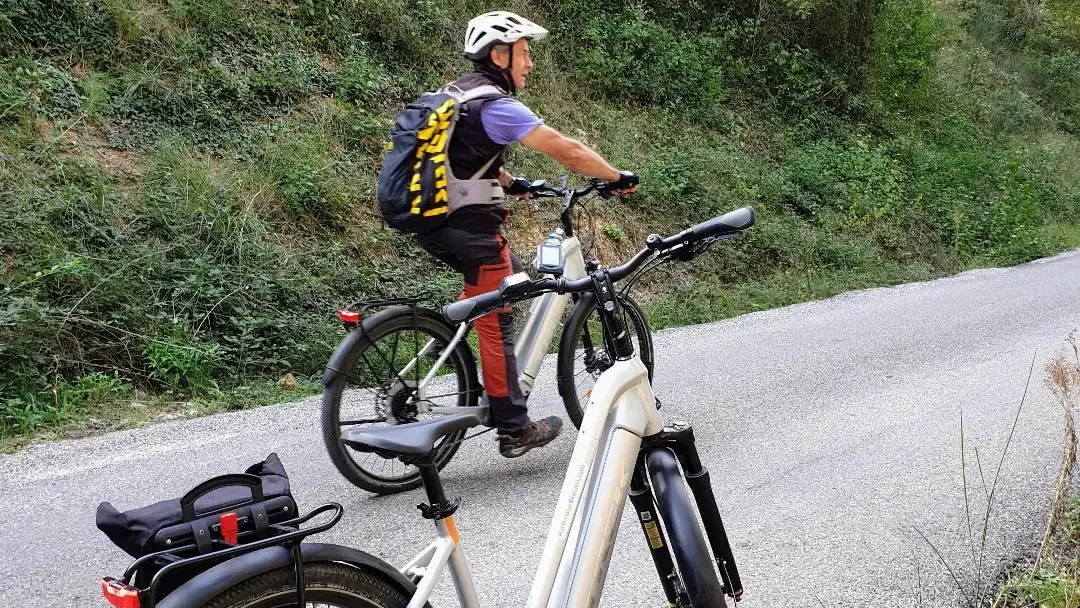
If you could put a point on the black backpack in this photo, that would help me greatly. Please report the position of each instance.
(412, 190)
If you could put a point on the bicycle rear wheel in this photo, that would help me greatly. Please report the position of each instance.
(326, 585)
(697, 582)
(372, 388)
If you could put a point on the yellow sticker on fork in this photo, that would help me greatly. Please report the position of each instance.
(653, 534)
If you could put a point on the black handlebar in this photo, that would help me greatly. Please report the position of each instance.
(542, 189)
(730, 224)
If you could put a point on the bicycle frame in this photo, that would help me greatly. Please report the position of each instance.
(621, 411)
(532, 343)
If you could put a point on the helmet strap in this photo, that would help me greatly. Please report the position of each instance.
(508, 71)
(488, 65)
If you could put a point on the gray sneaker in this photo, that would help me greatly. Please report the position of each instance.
(539, 433)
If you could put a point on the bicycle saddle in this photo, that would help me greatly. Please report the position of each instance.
(414, 438)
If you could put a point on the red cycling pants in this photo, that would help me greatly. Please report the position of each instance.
(484, 260)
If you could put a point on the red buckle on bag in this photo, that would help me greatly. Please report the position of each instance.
(229, 528)
(118, 594)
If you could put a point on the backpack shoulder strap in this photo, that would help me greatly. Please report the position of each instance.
(487, 91)
(482, 93)
(486, 166)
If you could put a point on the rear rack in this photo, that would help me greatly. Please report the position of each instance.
(351, 315)
(289, 535)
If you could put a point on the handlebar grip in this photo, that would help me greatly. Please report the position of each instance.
(472, 307)
(729, 223)
(732, 221)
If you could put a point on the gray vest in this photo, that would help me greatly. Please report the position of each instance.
(474, 189)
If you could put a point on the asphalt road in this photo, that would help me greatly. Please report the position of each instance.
(832, 430)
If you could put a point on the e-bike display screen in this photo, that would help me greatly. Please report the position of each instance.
(549, 258)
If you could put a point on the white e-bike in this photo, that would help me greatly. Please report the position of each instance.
(403, 363)
(623, 448)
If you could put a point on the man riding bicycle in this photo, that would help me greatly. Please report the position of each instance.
(470, 240)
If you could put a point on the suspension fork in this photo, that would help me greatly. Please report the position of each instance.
(586, 337)
(679, 437)
(642, 500)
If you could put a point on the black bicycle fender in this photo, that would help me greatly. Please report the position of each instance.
(662, 465)
(337, 360)
(214, 581)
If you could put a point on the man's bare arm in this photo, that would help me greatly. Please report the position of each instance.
(570, 153)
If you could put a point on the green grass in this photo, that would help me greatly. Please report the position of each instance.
(1046, 588)
(187, 189)
(98, 403)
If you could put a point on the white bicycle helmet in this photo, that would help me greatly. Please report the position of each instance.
(498, 27)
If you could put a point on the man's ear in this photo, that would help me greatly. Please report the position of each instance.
(500, 56)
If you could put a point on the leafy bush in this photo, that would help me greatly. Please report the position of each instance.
(906, 40)
(187, 188)
(631, 56)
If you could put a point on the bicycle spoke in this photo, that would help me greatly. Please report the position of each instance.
(380, 389)
(373, 372)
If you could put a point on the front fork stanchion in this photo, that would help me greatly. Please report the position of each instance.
(641, 498)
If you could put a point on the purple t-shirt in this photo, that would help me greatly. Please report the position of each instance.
(507, 120)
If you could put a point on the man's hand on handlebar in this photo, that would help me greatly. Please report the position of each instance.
(627, 183)
(526, 190)
(517, 186)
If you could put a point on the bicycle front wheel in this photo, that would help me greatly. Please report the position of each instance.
(326, 585)
(697, 582)
(376, 383)
(583, 353)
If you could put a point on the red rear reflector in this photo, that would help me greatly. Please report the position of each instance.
(349, 316)
(119, 594)
(228, 527)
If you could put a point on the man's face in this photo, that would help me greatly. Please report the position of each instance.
(522, 62)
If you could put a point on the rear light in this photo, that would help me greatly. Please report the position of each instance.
(348, 316)
(118, 594)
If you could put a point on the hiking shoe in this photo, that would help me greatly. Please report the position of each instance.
(539, 433)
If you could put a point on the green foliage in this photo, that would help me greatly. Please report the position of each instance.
(613, 232)
(632, 56)
(187, 187)
(1056, 80)
(907, 36)
(180, 363)
(1043, 588)
(362, 80)
(304, 171)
